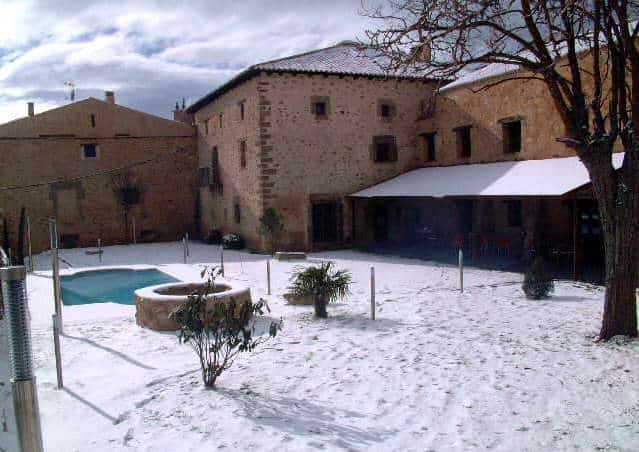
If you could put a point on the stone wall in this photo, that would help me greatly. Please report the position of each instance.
(43, 156)
(295, 158)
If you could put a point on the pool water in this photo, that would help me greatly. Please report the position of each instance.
(117, 286)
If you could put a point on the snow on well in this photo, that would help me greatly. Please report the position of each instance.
(438, 370)
(548, 177)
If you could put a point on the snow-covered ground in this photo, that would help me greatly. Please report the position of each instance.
(438, 369)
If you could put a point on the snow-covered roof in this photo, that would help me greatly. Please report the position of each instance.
(487, 72)
(549, 177)
(344, 58)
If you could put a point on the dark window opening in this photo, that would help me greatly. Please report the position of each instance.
(215, 171)
(243, 153)
(242, 111)
(464, 148)
(319, 109)
(92, 120)
(429, 146)
(203, 176)
(514, 213)
(384, 149)
(206, 127)
(221, 118)
(325, 218)
(90, 151)
(512, 136)
(237, 212)
(385, 111)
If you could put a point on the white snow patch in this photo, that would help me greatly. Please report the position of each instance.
(438, 370)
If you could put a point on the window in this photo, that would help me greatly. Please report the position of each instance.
(237, 213)
(92, 120)
(320, 107)
(242, 111)
(464, 148)
(243, 153)
(384, 149)
(215, 170)
(206, 127)
(511, 136)
(221, 120)
(385, 109)
(90, 151)
(203, 177)
(428, 140)
(514, 213)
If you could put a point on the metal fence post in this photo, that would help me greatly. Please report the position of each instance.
(53, 229)
(188, 251)
(56, 349)
(373, 293)
(461, 270)
(268, 276)
(23, 385)
(29, 247)
(222, 260)
(184, 248)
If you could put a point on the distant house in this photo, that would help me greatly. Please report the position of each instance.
(99, 169)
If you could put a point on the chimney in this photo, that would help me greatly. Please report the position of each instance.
(109, 96)
(30, 109)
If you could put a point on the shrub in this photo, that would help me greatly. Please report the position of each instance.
(323, 283)
(270, 228)
(219, 333)
(538, 283)
(233, 242)
(214, 237)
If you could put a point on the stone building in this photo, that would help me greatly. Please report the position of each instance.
(102, 170)
(326, 138)
(300, 134)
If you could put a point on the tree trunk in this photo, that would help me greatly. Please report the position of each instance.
(617, 194)
(320, 307)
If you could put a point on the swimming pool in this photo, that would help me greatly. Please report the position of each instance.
(117, 285)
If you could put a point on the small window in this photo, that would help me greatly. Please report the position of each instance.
(203, 176)
(206, 127)
(221, 120)
(215, 171)
(242, 111)
(237, 212)
(92, 120)
(319, 106)
(511, 136)
(90, 151)
(428, 140)
(514, 213)
(464, 147)
(384, 149)
(243, 153)
(386, 109)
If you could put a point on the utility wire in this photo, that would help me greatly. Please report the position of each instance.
(95, 174)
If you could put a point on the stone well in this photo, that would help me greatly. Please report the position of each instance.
(154, 304)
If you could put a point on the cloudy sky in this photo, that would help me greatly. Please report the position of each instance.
(152, 53)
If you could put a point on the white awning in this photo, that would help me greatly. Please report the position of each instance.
(549, 177)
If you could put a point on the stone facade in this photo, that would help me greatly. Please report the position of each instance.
(295, 158)
(79, 162)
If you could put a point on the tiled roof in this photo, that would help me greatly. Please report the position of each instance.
(345, 58)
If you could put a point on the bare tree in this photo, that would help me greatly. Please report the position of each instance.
(585, 51)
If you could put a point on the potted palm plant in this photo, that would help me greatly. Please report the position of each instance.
(323, 283)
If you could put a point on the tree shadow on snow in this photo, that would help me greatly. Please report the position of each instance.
(303, 418)
(110, 350)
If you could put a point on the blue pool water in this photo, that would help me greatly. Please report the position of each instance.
(117, 286)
